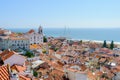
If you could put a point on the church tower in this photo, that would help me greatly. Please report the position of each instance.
(40, 31)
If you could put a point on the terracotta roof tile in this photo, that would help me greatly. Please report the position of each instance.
(91, 76)
(118, 68)
(35, 46)
(6, 54)
(4, 72)
(31, 31)
(21, 77)
(18, 38)
(19, 68)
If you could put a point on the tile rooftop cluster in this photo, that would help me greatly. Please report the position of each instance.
(4, 72)
(61, 59)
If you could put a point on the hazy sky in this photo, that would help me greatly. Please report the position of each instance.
(60, 13)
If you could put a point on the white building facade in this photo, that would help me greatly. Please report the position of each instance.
(7, 42)
(35, 37)
(73, 74)
(76, 75)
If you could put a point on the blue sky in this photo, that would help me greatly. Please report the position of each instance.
(60, 13)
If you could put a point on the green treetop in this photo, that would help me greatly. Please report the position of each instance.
(104, 44)
(44, 39)
(112, 45)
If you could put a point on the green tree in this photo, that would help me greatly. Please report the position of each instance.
(35, 73)
(55, 49)
(19, 33)
(29, 54)
(112, 45)
(104, 44)
(44, 39)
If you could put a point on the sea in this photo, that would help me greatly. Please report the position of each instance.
(99, 34)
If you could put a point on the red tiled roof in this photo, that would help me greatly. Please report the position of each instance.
(91, 76)
(31, 31)
(118, 68)
(23, 78)
(75, 43)
(13, 35)
(19, 68)
(59, 52)
(106, 50)
(6, 54)
(1, 32)
(4, 72)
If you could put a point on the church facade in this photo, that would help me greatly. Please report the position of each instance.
(35, 37)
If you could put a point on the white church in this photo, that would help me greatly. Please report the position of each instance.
(35, 37)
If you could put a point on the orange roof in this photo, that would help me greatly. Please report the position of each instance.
(18, 38)
(19, 68)
(59, 52)
(23, 78)
(4, 72)
(13, 35)
(6, 54)
(105, 50)
(56, 65)
(102, 60)
(1, 32)
(31, 31)
(35, 46)
(65, 58)
(118, 67)
(58, 72)
(56, 75)
(91, 76)
(75, 43)
(43, 71)
(51, 51)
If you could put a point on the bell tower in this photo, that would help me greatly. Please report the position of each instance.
(40, 31)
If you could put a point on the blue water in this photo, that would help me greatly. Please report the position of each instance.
(77, 33)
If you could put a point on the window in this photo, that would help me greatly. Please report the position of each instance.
(34, 37)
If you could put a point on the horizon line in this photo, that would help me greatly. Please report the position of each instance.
(64, 27)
